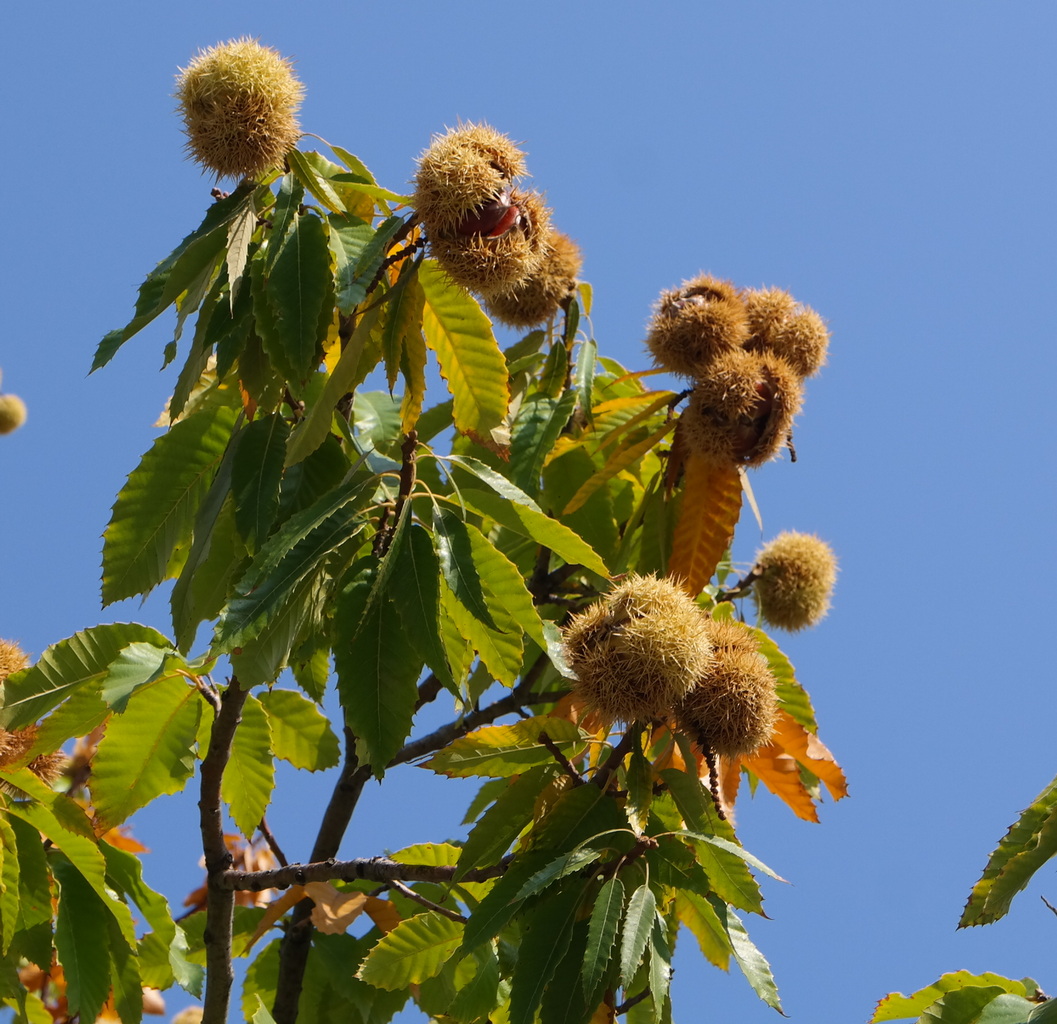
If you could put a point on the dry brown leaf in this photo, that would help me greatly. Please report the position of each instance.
(780, 773)
(334, 911)
(273, 912)
(709, 512)
(811, 752)
(383, 913)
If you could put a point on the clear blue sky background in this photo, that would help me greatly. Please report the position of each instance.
(893, 165)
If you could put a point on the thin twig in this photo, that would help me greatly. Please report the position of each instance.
(220, 901)
(273, 844)
(452, 915)
(615, 759)
(560, 758)
(633, 1001)
(742, 587)
(209, 692)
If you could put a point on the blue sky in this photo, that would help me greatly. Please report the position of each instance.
(892, 165)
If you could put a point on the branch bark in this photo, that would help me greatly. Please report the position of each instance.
(220, 901)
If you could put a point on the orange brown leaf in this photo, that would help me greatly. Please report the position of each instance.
(709, 512)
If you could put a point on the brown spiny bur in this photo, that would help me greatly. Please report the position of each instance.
(796, 574)
(782, 326)
(732, 707)
(538, 297)
(484, 263)
(465, 176)
(16, 744)
(637, 650)
(742, 409)
(695, 323)
(239, 102)
(12, 659)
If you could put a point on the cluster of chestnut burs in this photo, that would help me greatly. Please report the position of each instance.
(646, 652)
(489, 235)
(748, 352)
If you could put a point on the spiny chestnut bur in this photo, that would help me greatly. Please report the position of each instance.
(741, 410)
(695, 323)
(12, 659)
(463, 182)
(539, 296)
(239, 102)
(638, 649)
(486, 263)
(12, 413)
(796, 574)
(732, 707)
(781, 325)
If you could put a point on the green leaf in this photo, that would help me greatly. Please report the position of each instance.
(315, 183)
(348, 238)
(377, 671)
(502, 823)
(481, 995)
(896, 1006)
(250, 774)
(578, 815)
(82, 940)
(501, 751)
(451, 540)
(470, 360)
(584, 375)
(602, 933)
(240, 234)
(566, 864)
(33, 894)
(261, 1014)
(733, 848)
(415, 590)
(1030, 842)
(501, 649)
(539, 422)
(301, 734)
(314, 429)
(752, 962)
(178, 271)
(499, 906)
(148, 750)
(126, 984)
(503, 583)
(660, 973)
(82, 660)
(256, 473)
(638, 924)
(546, 933)
(299, 290)
(528, 522)
(403, 320)
(145, 541)
(9, 884)
(978, 1006)
(290, 556)
(639, 782)
(137, 665)
(416, 949)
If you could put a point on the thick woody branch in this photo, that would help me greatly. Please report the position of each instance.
(373, 869)
(220, 901)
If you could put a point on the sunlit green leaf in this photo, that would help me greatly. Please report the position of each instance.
(250, 773)
(416, 949)
(301, 733)
(506, 750)
(82, 660)
(896, 1006)
(148, 750)
(256, 473)
(1030, 842)
(752, 962)
(82, 940)
(155, 510)
(638, 924)
(606, 916)
(536, 427)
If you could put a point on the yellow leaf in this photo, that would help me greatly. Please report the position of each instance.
(780, 773)
(334, 911)
(707, 517)
(383, 913)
